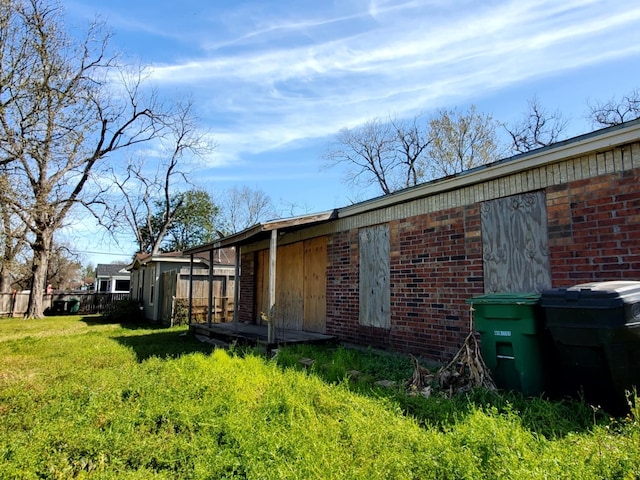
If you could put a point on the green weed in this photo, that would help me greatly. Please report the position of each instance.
(88, 399)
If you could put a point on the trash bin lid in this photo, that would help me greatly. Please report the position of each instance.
(505, 298)
(610, 294)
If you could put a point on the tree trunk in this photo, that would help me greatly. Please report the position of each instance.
(41, 250)
(5, 280)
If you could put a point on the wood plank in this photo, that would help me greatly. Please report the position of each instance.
(262, 285)
(375, 284)
(289, 286)
(315, 285)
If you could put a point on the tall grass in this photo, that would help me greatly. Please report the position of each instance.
(86, 399)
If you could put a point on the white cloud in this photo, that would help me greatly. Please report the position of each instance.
(291, 75)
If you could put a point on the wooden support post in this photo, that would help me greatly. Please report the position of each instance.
(210, 294)
(190, 287)
(273, 249)
(236, 288)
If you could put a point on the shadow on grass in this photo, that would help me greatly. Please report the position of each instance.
(153, 339)
(549, 418)
(133, 324)
(162, 343)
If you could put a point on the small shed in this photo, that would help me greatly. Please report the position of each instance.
(164, 282)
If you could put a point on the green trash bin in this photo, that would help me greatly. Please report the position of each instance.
(511, 334)
(73, 305)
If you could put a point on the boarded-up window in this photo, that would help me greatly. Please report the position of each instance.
(375, 288)
(515, 244)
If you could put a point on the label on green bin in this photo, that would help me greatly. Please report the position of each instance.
(501, 333)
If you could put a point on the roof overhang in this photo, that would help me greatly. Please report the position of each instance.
(263, 231)
(137, 263)
(596, 141)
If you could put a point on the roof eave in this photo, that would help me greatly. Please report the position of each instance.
(591, 142)
(253, 233)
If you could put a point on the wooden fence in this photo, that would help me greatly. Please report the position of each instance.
(15, 304)
(175, 295)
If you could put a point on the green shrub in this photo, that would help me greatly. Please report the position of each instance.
(124, 311)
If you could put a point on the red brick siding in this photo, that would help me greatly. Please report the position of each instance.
(594, 229)
(436, 264)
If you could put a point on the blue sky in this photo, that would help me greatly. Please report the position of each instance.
(275, 80)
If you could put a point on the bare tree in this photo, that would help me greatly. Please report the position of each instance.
(612, 112)
(368, 153)
(241, 208)
(387, 153)
(13, 234)
(460, 141)
(149, 198)
(64, 271)
(411, 143)
(537, 129)
(60, 115)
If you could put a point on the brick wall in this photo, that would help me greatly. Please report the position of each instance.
(593, 208)
(436, 265)
(594, 229)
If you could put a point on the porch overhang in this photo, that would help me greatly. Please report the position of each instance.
(262, 231)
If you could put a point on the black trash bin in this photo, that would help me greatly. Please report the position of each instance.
(59, 307)
(595, 329)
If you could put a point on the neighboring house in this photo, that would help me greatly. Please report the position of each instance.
(112, 278)
(159, 280)
(396, 271)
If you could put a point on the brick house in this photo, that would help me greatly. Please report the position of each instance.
(395, 272)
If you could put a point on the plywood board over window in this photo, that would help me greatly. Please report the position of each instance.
(375, 285)
(515, 244)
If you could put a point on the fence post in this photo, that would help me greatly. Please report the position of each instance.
(14, 295)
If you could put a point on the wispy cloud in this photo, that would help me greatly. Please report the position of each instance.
(274, 73)
(275, 79)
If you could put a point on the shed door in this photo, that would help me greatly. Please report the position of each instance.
(515, 244)
(169, 281)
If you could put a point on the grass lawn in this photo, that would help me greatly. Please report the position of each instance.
(84, 398)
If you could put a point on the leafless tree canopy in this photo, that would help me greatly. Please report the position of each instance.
(613, 112)
(537, 129)
(13, 236)
(60, 115)
(367, 153)
(389, 153)
(396, 154)
(147, 191)
(242, 207)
